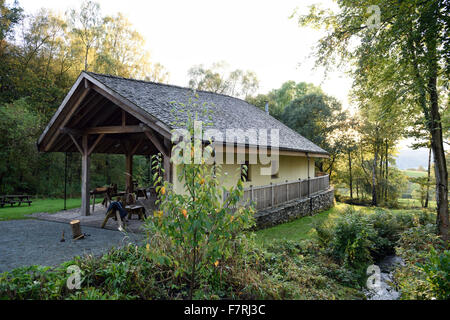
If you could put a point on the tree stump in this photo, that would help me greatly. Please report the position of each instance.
(76, 228)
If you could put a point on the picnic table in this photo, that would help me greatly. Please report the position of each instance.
(141, 192)
(13, 199)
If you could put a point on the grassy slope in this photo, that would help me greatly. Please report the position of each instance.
(301, 228)
(38, 205)
(415, 203)
(414, 174)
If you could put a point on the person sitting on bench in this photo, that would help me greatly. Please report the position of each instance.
(121, 213)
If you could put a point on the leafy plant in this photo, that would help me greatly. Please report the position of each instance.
(196, 230)
(437, 269)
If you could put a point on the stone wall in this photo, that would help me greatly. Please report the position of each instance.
(295, 209)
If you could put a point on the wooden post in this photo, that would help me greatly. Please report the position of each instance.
(299, 188)
(65, 183)
(166, 166)
(163, 146)
(76, 228)
(85, 165)
(309, 178)
(287, 190)
(129, 172)
(272, 194)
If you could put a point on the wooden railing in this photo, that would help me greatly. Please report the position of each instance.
(275, 194)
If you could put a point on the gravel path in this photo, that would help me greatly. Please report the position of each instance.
(36, 242)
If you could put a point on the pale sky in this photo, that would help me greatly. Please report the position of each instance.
(249, 35)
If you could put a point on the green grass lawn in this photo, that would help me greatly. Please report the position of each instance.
(299, 229)
(38, 205)
(415, 174)
(415, 203)
(302, 228)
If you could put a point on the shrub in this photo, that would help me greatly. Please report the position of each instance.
(437, 269)
(423, 275)
(34, 282)
(351, 244)
(356, 239)
(196, 231)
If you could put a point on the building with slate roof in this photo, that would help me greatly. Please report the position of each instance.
(114, 115)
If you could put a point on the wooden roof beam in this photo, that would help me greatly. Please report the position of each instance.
(151, 135)
(74, 107)
(104, 130)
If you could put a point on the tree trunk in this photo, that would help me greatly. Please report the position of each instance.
(428, 179)
(357, 188)
(374, 178)
(381, 185)
(86, 59)
(387, 171)
(440, 166)
(350, 174)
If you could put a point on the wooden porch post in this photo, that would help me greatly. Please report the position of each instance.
(85, 166)
(163, 146)
(309, 178)
(166, 165)
(129, 170)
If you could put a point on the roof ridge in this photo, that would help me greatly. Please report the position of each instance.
(259, 110)
(166, 85)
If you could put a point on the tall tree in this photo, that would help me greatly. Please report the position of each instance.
(405, 47)
(320, 119)
(86, 24)
(280, 98)
(10, 16)
(237, 83)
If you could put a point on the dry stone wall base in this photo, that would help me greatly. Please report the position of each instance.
(295, 209)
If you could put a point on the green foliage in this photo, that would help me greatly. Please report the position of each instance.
(280, 98)
(18, 128)
(415, 247)
(423, 188)
(315, 116)
(194, 231)
(10, 15)
(281, 269)
(285, 270)
(400, 67)
(437, 269)
(352, 241)
(356, 238)
(237, 83)
(32, 282)
(38, 65)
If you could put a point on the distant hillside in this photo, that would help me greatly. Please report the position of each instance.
(414, 173)
(408, 158)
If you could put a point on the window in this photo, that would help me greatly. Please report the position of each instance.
(275, 169)
(245, 171)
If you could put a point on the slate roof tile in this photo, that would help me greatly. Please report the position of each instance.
(226, 112)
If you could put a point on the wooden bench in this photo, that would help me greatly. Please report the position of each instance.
(136, 209)
(141, 192)
(109, 214)
(13, 199)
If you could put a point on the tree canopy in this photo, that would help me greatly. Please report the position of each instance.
(398, 55)
(237, 83)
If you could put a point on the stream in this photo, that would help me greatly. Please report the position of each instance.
(385, 291)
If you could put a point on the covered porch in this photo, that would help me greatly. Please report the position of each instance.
(94, 119)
